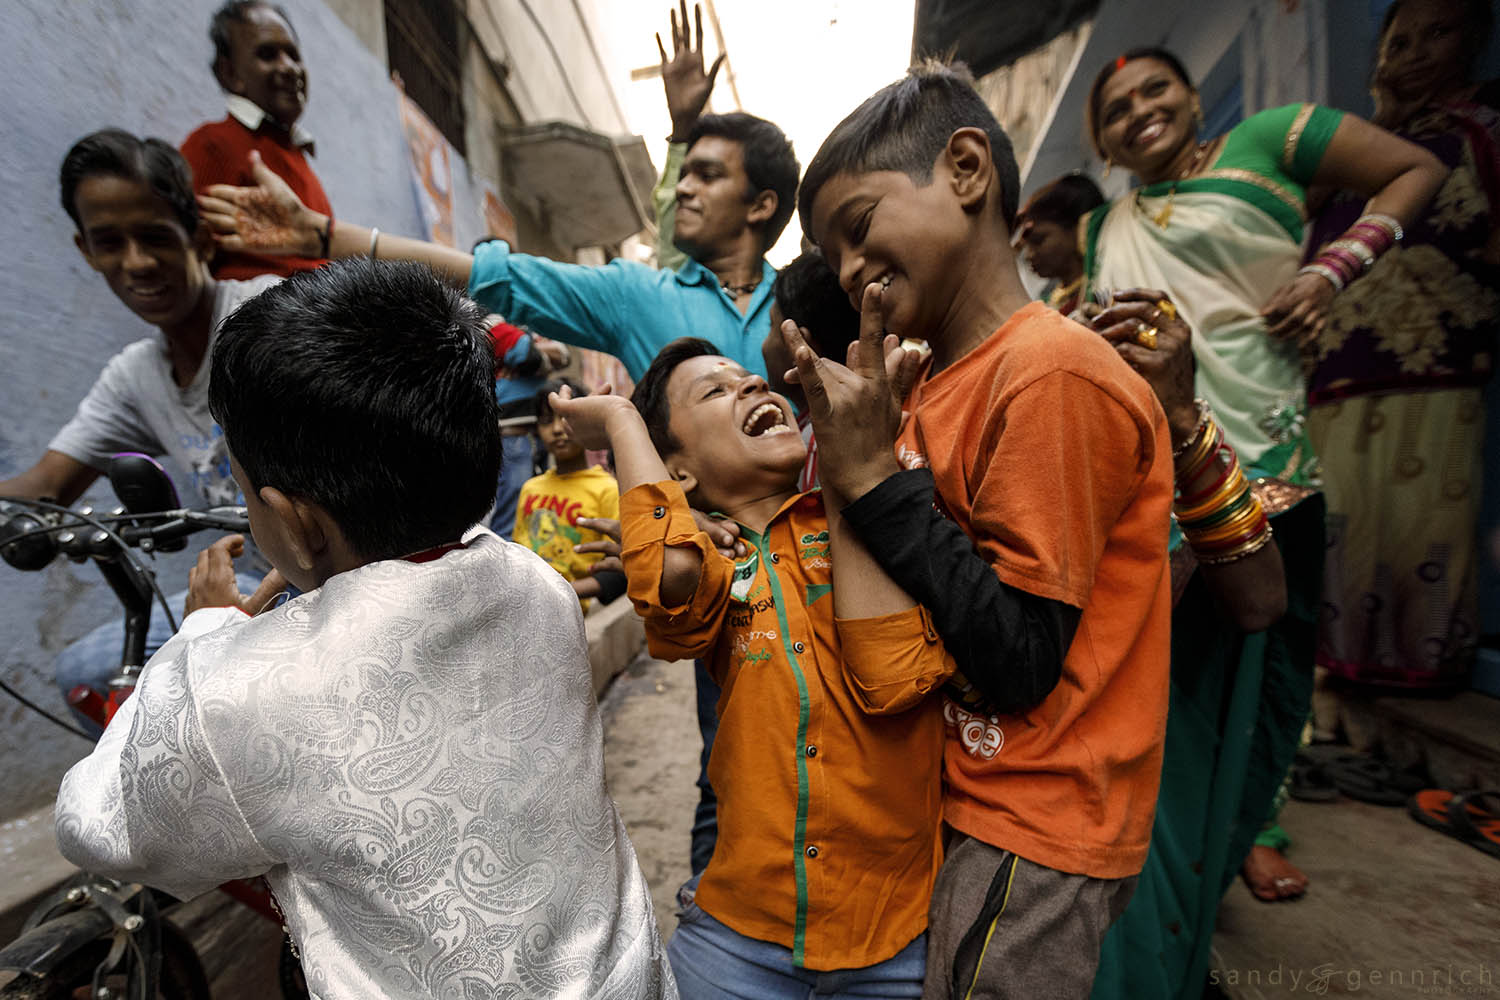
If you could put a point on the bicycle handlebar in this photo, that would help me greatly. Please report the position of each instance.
(33, 533)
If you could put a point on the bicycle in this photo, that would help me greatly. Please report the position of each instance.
(97, 937)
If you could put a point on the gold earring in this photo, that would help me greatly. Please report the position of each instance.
(1108, 163)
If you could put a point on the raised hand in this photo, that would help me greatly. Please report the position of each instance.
(855, 407)
(682, 75)
(589, 417)
(267, 218)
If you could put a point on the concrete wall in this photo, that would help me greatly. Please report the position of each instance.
(69, 69)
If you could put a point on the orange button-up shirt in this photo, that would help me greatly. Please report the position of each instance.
(828, 758)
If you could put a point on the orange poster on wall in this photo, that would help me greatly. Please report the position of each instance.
(431, 169)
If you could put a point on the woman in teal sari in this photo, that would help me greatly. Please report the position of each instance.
(1217, 226)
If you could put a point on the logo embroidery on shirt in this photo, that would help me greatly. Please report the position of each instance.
(744, 577)
(980, 736)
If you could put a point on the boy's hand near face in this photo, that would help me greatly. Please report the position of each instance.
(856, 408)
(211, 583)
(592, 420)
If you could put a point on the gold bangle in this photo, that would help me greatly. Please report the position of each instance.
(1250, 548)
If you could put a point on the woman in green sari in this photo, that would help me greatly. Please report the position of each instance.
(1217, 226)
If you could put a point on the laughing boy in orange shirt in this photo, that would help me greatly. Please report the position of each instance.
(829, 749)
(1031, 524)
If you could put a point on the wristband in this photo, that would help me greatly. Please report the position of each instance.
(374, 241)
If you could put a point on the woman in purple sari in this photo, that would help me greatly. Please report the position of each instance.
(1395, 375)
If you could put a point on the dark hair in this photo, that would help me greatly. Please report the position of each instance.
(1064, 201)
(366, 387)
(1091, 109)
(904, 126)
(1478, 18)
(543, 407)
(238, 12)
(808, 293)
(117, 153)
(770, 163)
(650, 396)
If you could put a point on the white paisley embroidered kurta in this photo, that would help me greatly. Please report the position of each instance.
(412, 756)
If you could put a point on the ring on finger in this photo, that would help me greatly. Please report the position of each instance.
(1168, 309)
(1146, 337)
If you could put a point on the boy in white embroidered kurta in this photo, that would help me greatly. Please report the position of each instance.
(409, 751)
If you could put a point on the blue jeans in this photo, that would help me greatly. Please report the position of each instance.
(517, 458)
(706, 815)
(713, 962)
(94, 657)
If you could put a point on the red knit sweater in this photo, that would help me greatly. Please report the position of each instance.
(219, 153)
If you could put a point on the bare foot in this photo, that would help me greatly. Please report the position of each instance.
(1271, 877)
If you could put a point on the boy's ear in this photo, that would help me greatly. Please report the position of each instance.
(972, 171)
(762, 207)
(203, 243)
(682, 474)
(301, 526)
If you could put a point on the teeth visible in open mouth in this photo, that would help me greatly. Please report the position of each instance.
(1150, 132)
(766, 418)
(885, 282)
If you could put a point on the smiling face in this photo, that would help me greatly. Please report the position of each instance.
(736, 439)
(1425, 52)
(882, 227)
(713, 197)
(134, 239)
(1146, 115)
(265, 65)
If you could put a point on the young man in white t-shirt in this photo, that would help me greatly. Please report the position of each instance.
(132, 201)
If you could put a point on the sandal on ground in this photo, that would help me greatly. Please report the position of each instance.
(1310, 782)
(1473, 817)
(1371, 780)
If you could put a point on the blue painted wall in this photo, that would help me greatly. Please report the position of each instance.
(142, 65)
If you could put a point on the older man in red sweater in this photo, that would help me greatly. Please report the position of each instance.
(259, 64)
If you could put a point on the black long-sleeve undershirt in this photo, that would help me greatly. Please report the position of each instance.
(1008, 643)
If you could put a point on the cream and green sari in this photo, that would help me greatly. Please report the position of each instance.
(1233, 236)
(1238, 701)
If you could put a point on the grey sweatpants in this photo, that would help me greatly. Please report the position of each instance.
(1002, 928)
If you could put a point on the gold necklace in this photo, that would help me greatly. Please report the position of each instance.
(1165, 215)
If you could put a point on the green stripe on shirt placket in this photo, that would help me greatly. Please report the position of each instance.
(799, 836)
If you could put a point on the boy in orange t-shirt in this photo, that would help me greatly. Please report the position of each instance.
(1030, 522)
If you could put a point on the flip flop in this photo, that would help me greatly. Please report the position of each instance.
(1310, 781)
(1473, 817)
(1371, 780)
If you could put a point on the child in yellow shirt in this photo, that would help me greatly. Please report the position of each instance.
(550, 505)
